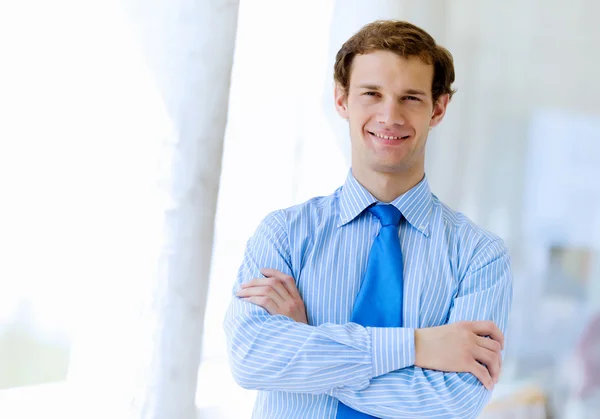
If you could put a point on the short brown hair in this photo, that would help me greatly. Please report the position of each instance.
(404, 39)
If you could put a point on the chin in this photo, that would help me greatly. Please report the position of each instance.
(388, 167)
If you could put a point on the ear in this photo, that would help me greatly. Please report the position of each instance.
(439, 110)
(341, 101)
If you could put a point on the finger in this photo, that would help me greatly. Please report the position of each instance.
(488, 328)
(256, 282)
(491, 345)
(280, 287)
(265, 291)
(267, 282)
(490, 360)
(482, 374)
(290, 285)
(271, 272)
(273, 283)
(264, 302)
(268, 272)
(488, 343)
(286, 280)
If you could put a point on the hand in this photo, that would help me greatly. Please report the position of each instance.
(462, 347)
(277, 293)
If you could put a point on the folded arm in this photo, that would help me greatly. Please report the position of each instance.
(485, 293)
(273, 352)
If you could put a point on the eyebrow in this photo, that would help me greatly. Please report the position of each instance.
(369, 87)
(415, 92)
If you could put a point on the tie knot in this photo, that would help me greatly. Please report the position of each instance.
(387, 214)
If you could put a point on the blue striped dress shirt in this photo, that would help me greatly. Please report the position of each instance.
(453, 271)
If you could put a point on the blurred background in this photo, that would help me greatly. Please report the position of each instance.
(122, 123)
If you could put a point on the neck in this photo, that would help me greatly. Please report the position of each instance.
(384, 186)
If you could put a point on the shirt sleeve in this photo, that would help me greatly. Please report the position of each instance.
(276, 353)
(485, 293)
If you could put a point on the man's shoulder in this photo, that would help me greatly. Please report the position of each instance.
(311, 211)
(465, 231)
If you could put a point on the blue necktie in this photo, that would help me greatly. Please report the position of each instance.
(379, 301)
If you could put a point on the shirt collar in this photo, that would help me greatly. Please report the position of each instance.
(415, 205)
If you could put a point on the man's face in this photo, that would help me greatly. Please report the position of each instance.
(390, 111)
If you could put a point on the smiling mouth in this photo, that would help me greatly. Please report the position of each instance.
(388, 137)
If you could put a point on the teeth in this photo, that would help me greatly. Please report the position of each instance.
(386, 137)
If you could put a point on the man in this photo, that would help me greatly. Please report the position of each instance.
(378, 300)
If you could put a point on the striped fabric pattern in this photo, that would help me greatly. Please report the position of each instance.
(453, 271)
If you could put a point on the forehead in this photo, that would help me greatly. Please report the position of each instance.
(391, 71)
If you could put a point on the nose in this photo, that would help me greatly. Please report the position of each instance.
(391, 113)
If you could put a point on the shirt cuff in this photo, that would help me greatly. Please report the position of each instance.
(392, 348)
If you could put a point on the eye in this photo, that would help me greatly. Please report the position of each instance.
(371, 94)
(412, 98)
